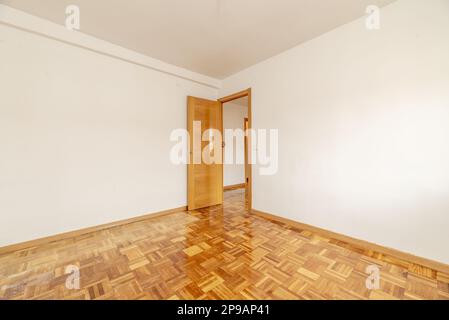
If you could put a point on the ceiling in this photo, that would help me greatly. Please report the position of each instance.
(213, 37)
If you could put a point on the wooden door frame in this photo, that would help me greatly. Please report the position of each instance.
(246, 145)
(232, 97)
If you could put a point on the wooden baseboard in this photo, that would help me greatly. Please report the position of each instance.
(234, 187)
(404, 258)
(75, 233)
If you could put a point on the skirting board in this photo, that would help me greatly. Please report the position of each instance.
(76, 233)
(404, 258)
(234, 187)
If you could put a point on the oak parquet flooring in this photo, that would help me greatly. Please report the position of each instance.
(220, 252)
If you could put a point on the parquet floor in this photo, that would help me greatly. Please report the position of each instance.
(216, 253)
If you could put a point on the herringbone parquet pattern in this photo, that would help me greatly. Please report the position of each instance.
(215, 253)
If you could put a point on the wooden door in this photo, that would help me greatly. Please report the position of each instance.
(205, 179)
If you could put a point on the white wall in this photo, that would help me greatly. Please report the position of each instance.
(233, 118)
(363, 120)
(84, 138)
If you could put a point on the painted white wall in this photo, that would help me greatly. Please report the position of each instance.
(84, 138)
(233, 169)
(363, 119)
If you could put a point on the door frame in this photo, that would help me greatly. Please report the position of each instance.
(246, 145)
(235, 96)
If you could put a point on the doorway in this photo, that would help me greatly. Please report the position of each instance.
(205, 179)
(237, 173)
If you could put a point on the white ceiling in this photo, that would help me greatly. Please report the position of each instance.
(214, 37)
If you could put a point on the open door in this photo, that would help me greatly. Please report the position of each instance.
(205, 180)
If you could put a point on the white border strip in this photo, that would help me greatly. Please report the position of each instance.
(26, 22)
